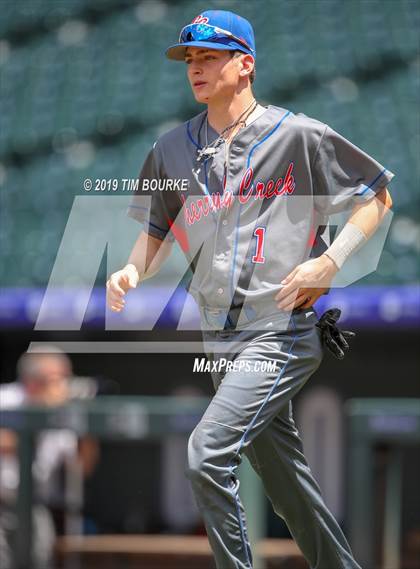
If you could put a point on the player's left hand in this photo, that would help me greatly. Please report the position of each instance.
(306, 283)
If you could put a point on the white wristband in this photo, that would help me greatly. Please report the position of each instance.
(350, 239)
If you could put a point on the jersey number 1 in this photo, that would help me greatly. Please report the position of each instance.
(260, 235)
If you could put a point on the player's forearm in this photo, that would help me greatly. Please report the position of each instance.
(363, 222)
(148, 255)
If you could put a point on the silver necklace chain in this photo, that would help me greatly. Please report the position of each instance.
(211, 148)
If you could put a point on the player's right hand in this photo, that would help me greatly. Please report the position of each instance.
(118, 285)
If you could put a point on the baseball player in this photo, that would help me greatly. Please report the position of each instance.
(261, 182)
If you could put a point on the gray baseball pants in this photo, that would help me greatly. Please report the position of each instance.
(251, 414)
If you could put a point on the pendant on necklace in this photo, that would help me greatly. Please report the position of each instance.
(206, 152)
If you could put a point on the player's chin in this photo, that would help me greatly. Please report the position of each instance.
(202, 93)
(201, 97)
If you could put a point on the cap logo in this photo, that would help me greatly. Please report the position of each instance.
(200, 20)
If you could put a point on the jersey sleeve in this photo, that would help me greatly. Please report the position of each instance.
(344, 175)
(160, 209)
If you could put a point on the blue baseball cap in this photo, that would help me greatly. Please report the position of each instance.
(215, 29)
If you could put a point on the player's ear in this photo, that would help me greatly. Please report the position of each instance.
(247, 64)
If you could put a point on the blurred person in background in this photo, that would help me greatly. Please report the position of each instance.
(44, 378)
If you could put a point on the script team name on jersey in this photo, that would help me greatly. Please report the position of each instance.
(204, 205)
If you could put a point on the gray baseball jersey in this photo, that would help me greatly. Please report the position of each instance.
(247, 215)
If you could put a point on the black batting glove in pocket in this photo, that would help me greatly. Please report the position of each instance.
(334, 339)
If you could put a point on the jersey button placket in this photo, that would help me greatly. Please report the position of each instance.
(220, 258)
